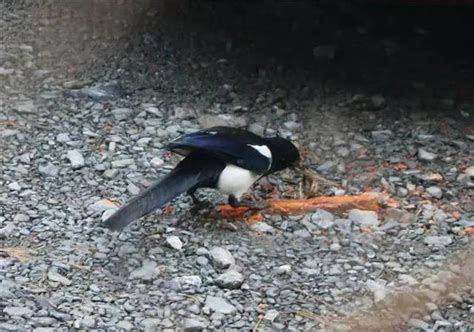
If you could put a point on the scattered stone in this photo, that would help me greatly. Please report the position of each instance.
(220, 305)
(418, 324)
(194, 325)
(221, 257)
(111, 173)
(25, 106)
(230, 279)
(48, 170)
(378, 288)
(425, 155)
(322, 218)
(271, 315)
(283, 269)
(438, 240)
(63, 138)
(381, 135)
(193, 281)
(133, 189)
(156, 162)
(88, 322)
(364, 218)
(76, 159)
(377, 101)
(335, 247)
(122, 113)
(174, 242)
(262, 227)
(18, 311)
(5, 133)
(122, 163)
(20, 217)
(125, 325)
(53, 275)
(148, 272)
(435, 191)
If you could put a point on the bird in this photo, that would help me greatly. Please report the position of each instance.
(228, 159)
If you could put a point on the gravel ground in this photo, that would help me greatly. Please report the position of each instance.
(80, 134)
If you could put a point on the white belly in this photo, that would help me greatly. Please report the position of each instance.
(235, 180)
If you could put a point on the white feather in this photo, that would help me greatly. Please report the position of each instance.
(263, 150)
(235, 180)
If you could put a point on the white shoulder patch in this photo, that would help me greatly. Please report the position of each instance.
(263, 150)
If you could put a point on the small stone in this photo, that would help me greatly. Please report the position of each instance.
(381, 135)
(194, 325)
(63, 138)
(271, 315)
(53, 275)
(5, 133)
(150, 324)
(438, 240)
(194, 281)
(174, 242)
(220, 305)
(25, 106)
(76, 159)
(322, 218)
(257, 129)
(221, 257)
(18, 311)
(327, 166)
(335, 247)
(262, 227)
(364, 218)
(111, 173)
(407, 279)
(377, 101)
(125, 325)
(399, 216)
(20, 217)
(148, 271)
(122, 113)
(283, 269)
(156, 162)
(7, 230)
(302, 233)
(425, 155)
(378, 288)
(133, 189)
(470, 172)
(455, 297)
(88, 322)
(419, 324)
(48, 170)
(122, 163)
(434, 191)
(230, 279)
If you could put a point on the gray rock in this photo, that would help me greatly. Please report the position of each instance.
(220, 305)
(194, 325)
(76, 159)
(148, 271)
(438, 240)
(257, 129)
(378, 289)
(150, 324)
(122, 163)
(381, 135)
(364, 218)
(53, 275)
(18, 311)
(125, 325)
(88, 322)
(425, 155)
(322, 218)
(271, 315)
(156, 162)
(133, 189)
(335, 246)
(14, 186)
(283, 269)
(7, 230)
(121, 113)
(221, 257)
(230, 279)
(209, 120)
(48, 170)
(262, 227)
(174, 242)
(193, 281)
(20, 217)
(111, 173)
(302, 233)
(377, 101)
(5, 133)
(327, 166)
(63, 138)
(435, 191)
(25, 106)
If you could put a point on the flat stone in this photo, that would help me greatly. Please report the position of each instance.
(76, 159)
(18, 311)
(283, 269)
(156, 162)
(220, 305)
(438, 240)
(48, 170)
(63, 138)
(322, 218)
(381, 135)
(122, 113)
(194, 281)
(230, 279)
(364, 218)
(122, 163)
(194, 325)
(221, 257)
(56, 277)
(133, 189)
(20, 217)
(435, 191)
(271, 315)
(174, 242)
(125, 325)
(426, 155)
(14, 186)
(148, 271)
(262, 227)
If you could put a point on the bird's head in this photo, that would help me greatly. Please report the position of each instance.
(284, 153)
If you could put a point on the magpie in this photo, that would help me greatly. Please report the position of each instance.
(223, 158)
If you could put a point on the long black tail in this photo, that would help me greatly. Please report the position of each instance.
(191, 172)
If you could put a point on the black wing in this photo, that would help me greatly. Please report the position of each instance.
(232, 145)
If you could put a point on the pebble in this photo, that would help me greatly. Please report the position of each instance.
(20, 217)
(18, 311)
(378, 288)
(88, 322)
(381, 135)
(425, 155)
(262, 227)
(194, 325)
(283, 269)
(133, 189)
(438, 240)
(174, 242)
(148, 271)
(322, 218)
(364, 218)
(230, 279)
(122, 113)
(111, 173)
(221, 257)
(48, 170)
(63, 138)
(193, 281)
(125, 325)
(435, 191)
(122, 163)
(156, 162)
(271, 315)
(53, 275)
(76, 159)
(335, 246)
(220, 305)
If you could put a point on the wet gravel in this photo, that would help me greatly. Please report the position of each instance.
(72, 148)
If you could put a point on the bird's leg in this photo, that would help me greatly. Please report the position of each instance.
(251, 205)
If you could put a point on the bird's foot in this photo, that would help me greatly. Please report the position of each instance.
(250, 204)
